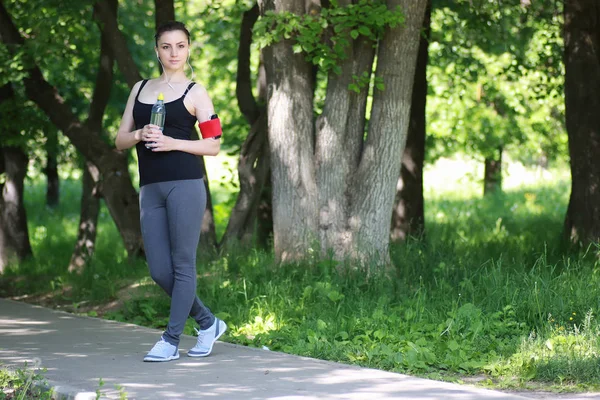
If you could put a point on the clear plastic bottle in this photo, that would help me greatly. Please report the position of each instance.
(159, 112)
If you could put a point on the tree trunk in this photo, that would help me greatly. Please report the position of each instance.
(13, 217)
(51, 170)
(121, 198)
(90, 194)
(379, 167)
(164, 11)
(492, 175)
(340, 133)
(582, 85)
(264, 217)
(253, 164)
(208, 233)
(408, 215)
(253, 171)
(291, 143)
(14, 234)
(88, 219)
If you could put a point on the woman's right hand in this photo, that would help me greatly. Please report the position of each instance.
(148, 133)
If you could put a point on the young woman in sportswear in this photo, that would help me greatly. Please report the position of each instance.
(172, 192)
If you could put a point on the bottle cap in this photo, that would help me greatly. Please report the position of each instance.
(160, 96)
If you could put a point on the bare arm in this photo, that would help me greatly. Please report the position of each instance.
(127, 137)
(204, 147)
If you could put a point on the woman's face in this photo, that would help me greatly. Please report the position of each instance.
(173, 49)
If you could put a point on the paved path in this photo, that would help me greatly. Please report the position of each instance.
(78, 351)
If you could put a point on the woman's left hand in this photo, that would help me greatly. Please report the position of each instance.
(161, 143)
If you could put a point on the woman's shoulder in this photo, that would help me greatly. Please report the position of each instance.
(197, 87)
(198, 91)
(138, 85)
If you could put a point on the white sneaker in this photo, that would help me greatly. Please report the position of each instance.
(162, 351)
(207, 338)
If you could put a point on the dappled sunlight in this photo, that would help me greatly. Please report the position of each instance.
(7, 322)
(23, 332)
(97, 355)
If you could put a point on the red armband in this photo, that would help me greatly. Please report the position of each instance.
(210, 128)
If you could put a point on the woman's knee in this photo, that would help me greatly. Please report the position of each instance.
(163, 278)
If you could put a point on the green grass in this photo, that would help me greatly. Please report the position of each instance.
(488, 292)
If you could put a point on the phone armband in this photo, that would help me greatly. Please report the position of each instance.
(211, 128)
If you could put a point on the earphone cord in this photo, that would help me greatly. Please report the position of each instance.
(165, 72)
(190, 65)
(167, 75)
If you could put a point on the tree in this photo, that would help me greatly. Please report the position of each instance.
(582, 85)
(334, 178)
(408, 215)
(496, 83)
(121, 198)
(90, 193)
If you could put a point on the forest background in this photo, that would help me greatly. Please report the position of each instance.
(405, 185)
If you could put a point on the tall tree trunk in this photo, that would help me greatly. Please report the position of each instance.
(13, 217)
(492, 175)
(379, 167)
(90, 194)
(121, 198)
(88, 219)
(264, 217)
(340, 133)
(51, 169)
(14, 234)
(253, 164)
(291, 143)
(253, 171)
(408, 215)
(582, 85)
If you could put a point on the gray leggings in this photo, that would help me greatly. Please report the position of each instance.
(171, 219)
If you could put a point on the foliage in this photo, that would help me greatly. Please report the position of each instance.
(324, 37)
(495, 77)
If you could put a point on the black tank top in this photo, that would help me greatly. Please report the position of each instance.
(169, 165)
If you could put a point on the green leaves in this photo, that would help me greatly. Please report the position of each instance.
(362, 82)
(495, 79)
(326, 37)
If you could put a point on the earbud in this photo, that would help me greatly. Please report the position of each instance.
(157, 55)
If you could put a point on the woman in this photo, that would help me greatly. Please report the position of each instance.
(172, 193)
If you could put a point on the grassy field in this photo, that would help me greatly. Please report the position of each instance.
(489, 295)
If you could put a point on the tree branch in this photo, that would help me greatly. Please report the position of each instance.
(104, 77)
(108, 18)
(48, 98)
(243, 89)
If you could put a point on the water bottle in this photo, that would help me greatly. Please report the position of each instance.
(158, 112)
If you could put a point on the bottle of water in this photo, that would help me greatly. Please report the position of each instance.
(158, 112)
